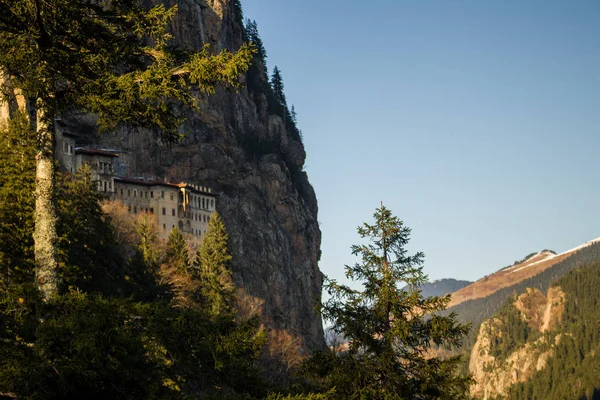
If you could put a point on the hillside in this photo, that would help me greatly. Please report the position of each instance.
(543, 346)
(480, 309)
(514, 274)
(442, 287)
(248, 152)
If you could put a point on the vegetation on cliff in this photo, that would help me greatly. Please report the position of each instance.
(114, 59)
(573, 370)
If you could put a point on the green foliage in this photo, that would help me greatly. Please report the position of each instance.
(211, 268)
(478, 310)
(573, 370)
(389, 329)
(251, 30)
(177, 253)
(79, 344)
(17, 203)
(81, 222)
(113, 58)
(277, 86)
(512, 332)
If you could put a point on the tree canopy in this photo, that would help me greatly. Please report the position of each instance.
(113, 58)
(389, 330)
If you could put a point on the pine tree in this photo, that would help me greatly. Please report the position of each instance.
(212, 269)
(113, 58)
(389, 330)
(177, 255)
(294, 115)
(17, 182)
(277, 86)
(254, 37)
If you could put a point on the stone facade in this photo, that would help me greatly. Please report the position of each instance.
(184, 205)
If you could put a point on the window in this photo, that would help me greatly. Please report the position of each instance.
(129, 192)
(162, 194)
(135, 193)
(173, 212)
(151, 195)
(135, 209)
(212, 202)
(164, 211)
(171, 196)
(105, 186)
(70, 149)
(110, 186)
(128, 208)
(151, 210)
(121, 192)
(165, 227)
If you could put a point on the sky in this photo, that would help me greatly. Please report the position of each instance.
(476, 122)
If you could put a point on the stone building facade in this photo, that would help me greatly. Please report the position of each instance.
(184, 205)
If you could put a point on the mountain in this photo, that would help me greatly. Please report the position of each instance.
(480, 311)
(509, 276)
(442, 287)
(244, 148)
(542, 346)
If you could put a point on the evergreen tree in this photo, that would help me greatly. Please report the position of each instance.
(212, 269)
(177, 253)
(293, 114)
(277, 86)
(389, 330)
(17, 182)
(254, 37)
(113, 58)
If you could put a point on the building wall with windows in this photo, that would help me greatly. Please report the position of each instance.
(102, 165)
(186, 206)
(65, 151)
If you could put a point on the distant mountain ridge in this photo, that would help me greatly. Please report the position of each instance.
(530, 266)
(442, 287)
(479, 309)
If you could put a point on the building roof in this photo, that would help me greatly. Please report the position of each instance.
(95, 152)
(153, 182)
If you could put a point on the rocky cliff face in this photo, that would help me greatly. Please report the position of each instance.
(244, 152)
(494, 374)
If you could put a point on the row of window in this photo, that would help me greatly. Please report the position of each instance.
(68, 148)
(105, 186)
(202, 202)
(143, 194)
(164, 211)
(104, 167)
(197, 201)
(142, 209)
(197, 232)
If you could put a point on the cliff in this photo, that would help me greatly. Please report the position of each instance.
(504, 353)
(247, 154)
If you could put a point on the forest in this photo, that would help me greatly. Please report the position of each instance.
(137, 318)
(573, 370)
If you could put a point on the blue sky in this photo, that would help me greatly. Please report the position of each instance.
(476, 122)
